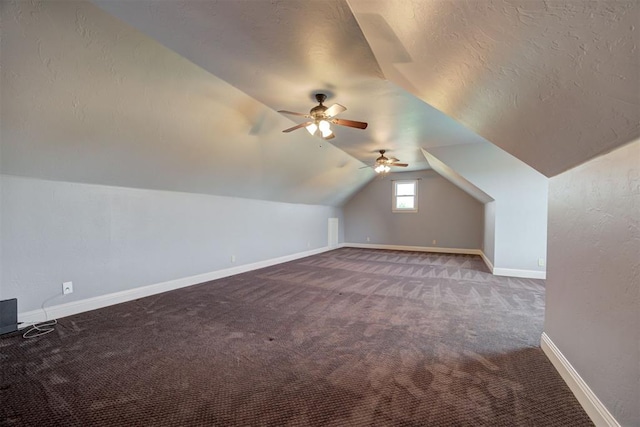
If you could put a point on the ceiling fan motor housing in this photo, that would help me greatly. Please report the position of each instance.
(318, 112)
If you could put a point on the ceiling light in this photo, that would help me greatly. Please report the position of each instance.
(326, 133)
(382, 168)
(312, 128)
(324, 126)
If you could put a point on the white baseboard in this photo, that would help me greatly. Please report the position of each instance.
(510, 272)
(413, 248)
(587, 398)
(75, 307)
(487, 261)
(526, 274)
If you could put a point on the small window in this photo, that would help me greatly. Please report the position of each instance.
(405, 196)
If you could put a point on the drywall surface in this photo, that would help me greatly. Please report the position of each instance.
(520, 195)
(455, 178)
(280, 53)
(489, 237)
(552, 82)
(445, 214)
(110, 239)
(593, 281)
(86, 98)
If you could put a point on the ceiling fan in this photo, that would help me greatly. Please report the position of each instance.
(383, 163)
(322, 117)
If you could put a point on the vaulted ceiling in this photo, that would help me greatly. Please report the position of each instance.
(182, 95)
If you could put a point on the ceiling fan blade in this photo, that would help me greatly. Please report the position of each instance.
(334, 110)
(293, 113)
(402, 165)
(301, 125)
(350, 123)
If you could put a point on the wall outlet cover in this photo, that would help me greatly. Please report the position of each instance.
(67, 288)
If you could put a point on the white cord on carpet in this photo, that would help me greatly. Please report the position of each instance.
(42, 328)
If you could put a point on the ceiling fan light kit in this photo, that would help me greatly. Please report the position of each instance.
(322, 118)
(383, 164)
(312, 128)
(382, 169)
(323, 126)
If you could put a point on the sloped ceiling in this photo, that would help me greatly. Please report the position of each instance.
(86, 98)
(281, 53)
(181, 95)
(456, 179)
(553, 83)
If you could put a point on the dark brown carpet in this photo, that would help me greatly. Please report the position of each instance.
(351, 337)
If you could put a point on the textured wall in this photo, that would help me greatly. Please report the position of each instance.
(109, 239)
(593, 280)
(445, 214)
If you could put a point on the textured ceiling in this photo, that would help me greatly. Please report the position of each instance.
(554, 82)
(86, 98)
(182, 95)
(281, 53)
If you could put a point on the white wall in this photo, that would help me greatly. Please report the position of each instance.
(109, 239)
(520, 195)
(489, 237)
(593, 283)
(445, 214)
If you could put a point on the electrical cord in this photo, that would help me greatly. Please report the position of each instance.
(42, 328)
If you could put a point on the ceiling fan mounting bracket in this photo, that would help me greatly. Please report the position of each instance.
(382, 159)
(321, 97)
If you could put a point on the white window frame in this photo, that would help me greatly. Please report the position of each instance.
(394, 203)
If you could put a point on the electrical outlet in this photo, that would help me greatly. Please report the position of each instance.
(434, 242)
(540, 262)
(233, 258)
(308, 244)
(368, 239)
(67, 288)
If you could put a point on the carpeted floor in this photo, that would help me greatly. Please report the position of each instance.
(351, 337)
